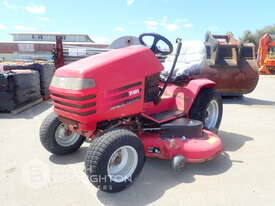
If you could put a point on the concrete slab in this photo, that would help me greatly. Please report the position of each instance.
(243, 175)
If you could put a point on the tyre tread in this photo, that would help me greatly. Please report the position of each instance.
(47, 130)
(97, 153)
(200, 104)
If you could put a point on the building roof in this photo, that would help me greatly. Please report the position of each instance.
(50, 33)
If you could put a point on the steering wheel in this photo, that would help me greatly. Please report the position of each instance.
(157, 38)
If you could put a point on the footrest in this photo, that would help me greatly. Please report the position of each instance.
(164, 116)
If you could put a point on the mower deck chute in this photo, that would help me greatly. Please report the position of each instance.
(182, 127)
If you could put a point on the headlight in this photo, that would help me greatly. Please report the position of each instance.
(72, 83)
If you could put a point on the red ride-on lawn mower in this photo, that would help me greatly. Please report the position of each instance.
(118, 101)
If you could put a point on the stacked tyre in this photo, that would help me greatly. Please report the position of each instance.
(6, 95)
(27, 86)
(18, 87)
(45, 71)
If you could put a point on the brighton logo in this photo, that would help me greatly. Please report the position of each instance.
(36, 174)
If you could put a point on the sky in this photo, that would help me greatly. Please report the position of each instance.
(106, 20)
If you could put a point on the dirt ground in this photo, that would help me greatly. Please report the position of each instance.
(243, 175)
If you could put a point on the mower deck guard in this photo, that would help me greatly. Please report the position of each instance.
(194, 150)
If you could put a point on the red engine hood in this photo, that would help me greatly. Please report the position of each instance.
(120, 65)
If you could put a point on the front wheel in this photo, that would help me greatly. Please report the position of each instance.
(56, 137)
(208, 108)
(114, 160)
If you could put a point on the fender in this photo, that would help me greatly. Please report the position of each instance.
(192, 89)
(183, 96)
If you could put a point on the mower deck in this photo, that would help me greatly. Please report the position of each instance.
(194, 150)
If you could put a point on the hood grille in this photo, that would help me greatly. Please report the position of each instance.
(82, 106)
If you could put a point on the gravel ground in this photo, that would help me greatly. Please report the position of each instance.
(243, 175)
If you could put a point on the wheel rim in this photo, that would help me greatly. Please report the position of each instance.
(64, 137)
(122, 164)
(212, 114)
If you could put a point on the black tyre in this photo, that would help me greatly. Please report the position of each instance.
(56, 138)
(114, 160)
(208, 108)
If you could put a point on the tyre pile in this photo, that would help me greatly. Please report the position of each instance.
(20, 85)
(46, 72)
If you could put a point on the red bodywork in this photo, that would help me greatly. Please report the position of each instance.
(113, 71)
(266, 58)
(120, 84)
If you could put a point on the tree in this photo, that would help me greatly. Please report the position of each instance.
(249, 37)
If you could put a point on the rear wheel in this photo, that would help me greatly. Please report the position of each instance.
(208, 108)
(56, 137)
(114, 160)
